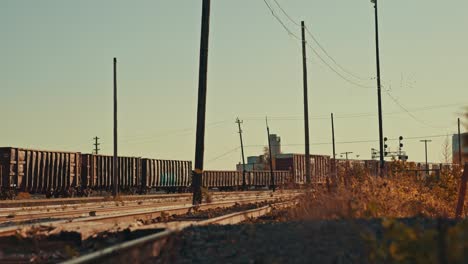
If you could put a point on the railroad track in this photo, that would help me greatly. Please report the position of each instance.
(10, 216)
(82, 200)
(145, 248)
(130, 216)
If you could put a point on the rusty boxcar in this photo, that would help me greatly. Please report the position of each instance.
(167, 175)
(263, 178)
(97, 173)
(38, 171)
(228, 180)
(296, 164)
(222, 179)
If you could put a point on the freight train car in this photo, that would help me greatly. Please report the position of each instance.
(296, 164)
(223, 180)
(231, 180)
(54, 173)
(263, 178)
(98, 171)
(166, 175)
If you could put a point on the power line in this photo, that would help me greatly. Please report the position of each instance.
(317, 42)
(286, 14)
(352, 115)
(324, 143)
(408, 112)
(336, 72)
(280, 21)
(310, 46)
(332, 59)
(223, 155)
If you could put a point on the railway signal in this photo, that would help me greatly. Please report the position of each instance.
(96, 145)
(385, 147)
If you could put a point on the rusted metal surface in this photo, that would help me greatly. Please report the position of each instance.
(296, 163)
(222, 179)
(39, 171)
(166, 173)
(233, 179)
(98, 174)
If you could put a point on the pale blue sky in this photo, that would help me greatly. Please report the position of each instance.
(56, 75)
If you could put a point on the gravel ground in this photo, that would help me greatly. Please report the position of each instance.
(210, 213)
(269, 241)
(57, 248)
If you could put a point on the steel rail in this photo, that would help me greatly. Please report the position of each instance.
(142, 214)
(141, 249)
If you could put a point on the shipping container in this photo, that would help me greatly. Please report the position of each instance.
(40, 171)
(97, 172)
(166, 174)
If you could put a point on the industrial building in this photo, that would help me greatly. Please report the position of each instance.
(261, 162)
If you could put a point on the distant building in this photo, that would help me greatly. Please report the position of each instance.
(455, 150)
(275, 142)
(257, 162)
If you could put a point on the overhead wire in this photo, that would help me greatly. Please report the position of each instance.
(315, 40)
(311, 47)
(281, 21)
(409, 113)
(332, 59)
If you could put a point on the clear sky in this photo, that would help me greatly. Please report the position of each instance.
(56, 75)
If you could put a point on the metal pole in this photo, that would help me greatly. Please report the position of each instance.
(244, 185)
(379, 93)
(346, 177)
(201, 108)
(425, 149)
(462, 193)
(306, 104)
(459, 145)
(272, 176)
(115, 161)
(333, 143)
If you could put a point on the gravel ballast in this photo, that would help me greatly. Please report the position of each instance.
(317, 241)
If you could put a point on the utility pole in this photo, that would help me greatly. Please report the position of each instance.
(459, 145)
(379, 89)
(346, 180)
(272, 176)
(96, 146)
(306, 104)
(115, 165)
(201, 107)
(333, 143)
(239, 122)
(425, 147)
(346, 153)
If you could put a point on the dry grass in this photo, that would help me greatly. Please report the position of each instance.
(374, 197)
